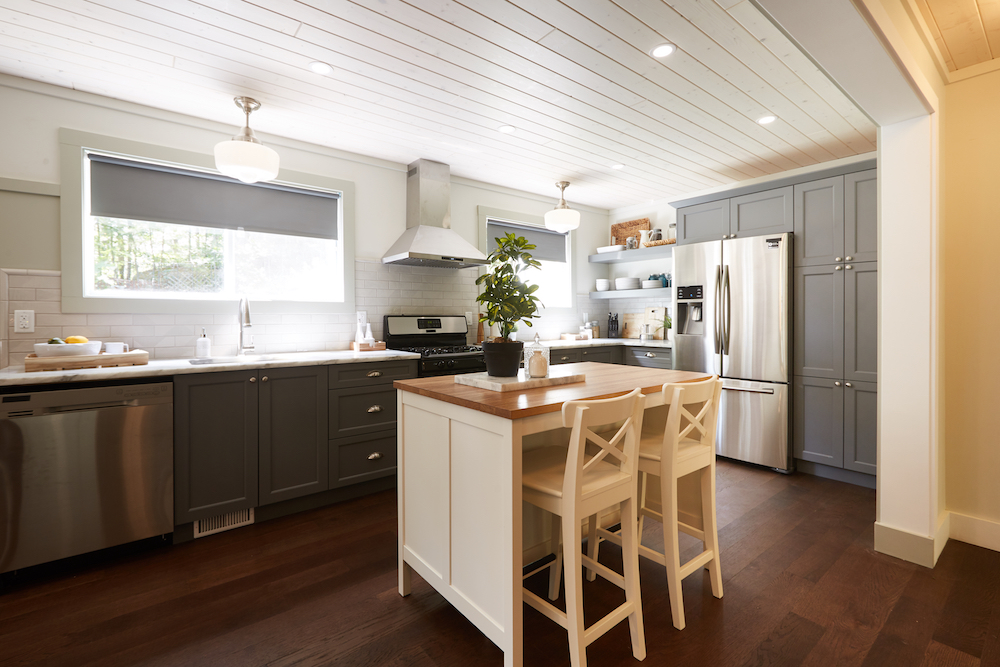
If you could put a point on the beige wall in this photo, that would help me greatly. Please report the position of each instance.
(29, 231)
(972, 312)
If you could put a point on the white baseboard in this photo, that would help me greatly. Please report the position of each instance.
(919, 549)
(974, 530)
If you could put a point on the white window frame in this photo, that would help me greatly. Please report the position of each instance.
(527, 220)
(73, 146)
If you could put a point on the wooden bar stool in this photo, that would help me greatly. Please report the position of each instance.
(573, 484)
(686, 446)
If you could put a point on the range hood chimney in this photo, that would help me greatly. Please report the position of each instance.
(428, 239)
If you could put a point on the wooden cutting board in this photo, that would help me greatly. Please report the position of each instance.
(33, 363)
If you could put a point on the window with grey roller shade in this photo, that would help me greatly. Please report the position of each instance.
(139, 191)
(549, 246)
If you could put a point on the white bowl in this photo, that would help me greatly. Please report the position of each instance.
(626, 283)
(603, 285)
(611, 248)
(650, 284)
(67, 349)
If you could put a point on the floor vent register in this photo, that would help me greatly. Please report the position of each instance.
(217, 524)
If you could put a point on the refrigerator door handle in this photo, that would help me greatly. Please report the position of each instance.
(748, 390)
(728, 311)
(718, 313)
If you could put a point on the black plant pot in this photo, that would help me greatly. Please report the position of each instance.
(503, 359)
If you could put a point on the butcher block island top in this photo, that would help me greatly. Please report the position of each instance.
(603, 381)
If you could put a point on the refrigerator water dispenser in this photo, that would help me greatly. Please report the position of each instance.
(689, 311)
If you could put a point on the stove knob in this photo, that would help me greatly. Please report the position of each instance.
(451, 363)
(439, 364)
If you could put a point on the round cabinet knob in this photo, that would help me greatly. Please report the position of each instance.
(848, 384)
(849, 267)
(836, 384)
(375, 408)
(375, 374)
(839, 268)
(650, 355)
(838, 259)
(253, 379)
(732, 236)
(848, 258)
(264, 379)
(375, 456)
(725, 236)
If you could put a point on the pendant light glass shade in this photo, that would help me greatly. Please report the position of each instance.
(562, 218)
(244, 157)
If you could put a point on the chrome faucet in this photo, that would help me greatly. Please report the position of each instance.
(244, 324)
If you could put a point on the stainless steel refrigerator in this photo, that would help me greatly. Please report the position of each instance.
(734, 320)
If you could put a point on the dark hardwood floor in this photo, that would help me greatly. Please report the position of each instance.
(803, 586)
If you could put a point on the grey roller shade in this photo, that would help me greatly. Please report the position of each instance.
(549, 246)
(139, 191)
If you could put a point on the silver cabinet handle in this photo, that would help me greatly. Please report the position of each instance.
(849, 267)
(848, 258)
(375, 374)
(253, 379)
(563, 358)
(839, 268)
(375, 456)
(836, 384)
(838, 259)
(650, 355)
(264, 379)
(848, 384)
(375, 408)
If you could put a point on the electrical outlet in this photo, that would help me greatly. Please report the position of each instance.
(470, 318)
(362, 317)
(24, 321)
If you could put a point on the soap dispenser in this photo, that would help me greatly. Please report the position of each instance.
(203, 346)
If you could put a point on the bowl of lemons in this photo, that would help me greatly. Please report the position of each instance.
(71, 346)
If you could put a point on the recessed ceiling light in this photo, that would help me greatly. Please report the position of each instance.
(663, 50)
(320, 68)
(764, 120)
(617, 166)
(507, 129)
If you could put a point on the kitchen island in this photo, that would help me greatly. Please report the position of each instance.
(459, 483)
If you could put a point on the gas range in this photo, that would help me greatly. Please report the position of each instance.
(438, 339)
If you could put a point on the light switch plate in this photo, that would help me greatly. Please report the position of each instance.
(24, 321)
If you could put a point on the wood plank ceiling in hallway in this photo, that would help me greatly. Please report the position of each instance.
(437, 78)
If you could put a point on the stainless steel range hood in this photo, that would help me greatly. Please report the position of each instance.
(428, 239)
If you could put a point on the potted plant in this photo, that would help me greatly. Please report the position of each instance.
(508, 301)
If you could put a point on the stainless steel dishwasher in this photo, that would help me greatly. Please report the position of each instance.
(83, 469)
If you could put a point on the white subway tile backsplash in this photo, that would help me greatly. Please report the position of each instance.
(109, 319)
(97, 333)
(142, 318)
(21, 294)
(46, 282)
(47, 294)
(174, 330)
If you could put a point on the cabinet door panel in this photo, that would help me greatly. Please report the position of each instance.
(702, 222)
(293, 441)
(354, 460)
(819, 322)
(605, 355)
(860, 427)
(215, 444)
(358, 411)
(564, 356)
(760, 213)
(819, 222)
(367, 374)
(818, 427)
(650, 357)
(861, 322)
(861, 216)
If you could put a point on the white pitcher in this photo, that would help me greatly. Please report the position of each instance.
(644, 234)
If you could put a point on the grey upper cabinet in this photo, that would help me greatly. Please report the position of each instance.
(819, 222)
(215, 444)
(818, 420)
(860, 426)
(860, 322)
(702, 222)
(861, 216)
(293, 445)
(818, 343)
(760, 213)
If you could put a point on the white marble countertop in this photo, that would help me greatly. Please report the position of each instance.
(599, 342)
(16, 375)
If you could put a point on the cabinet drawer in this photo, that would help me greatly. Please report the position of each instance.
(563, 356)
(650, 357)
(354, 460)
(605, 355)
(371, 373)
(365, 410)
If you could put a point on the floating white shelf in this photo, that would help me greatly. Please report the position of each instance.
(661, 292)
(656, 252)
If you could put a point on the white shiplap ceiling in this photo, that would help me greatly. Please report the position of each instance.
(436, 78)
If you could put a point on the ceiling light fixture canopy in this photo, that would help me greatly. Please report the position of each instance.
(507, 129)
(320, 67)
(663, 50)
(562, 218)
(765, 120)
(243, 157)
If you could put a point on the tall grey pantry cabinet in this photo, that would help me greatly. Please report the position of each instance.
(835, 327)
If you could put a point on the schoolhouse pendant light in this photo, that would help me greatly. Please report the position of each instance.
(562, 218)
(243, 156)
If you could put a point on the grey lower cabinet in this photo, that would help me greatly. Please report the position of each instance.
(215, 444)
(564, 356)
(362, 420)
(834, 423)
(611, 354)
(650, 357)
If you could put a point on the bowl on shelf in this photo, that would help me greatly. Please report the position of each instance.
(67, 349)
(651, 284)
(610, 248)
(626, 283)
(603, 285)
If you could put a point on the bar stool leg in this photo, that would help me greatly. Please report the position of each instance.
(671, 549)
(710, 526)
(555, 570)
(593, 542)
(574, 591)
(630, 569)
